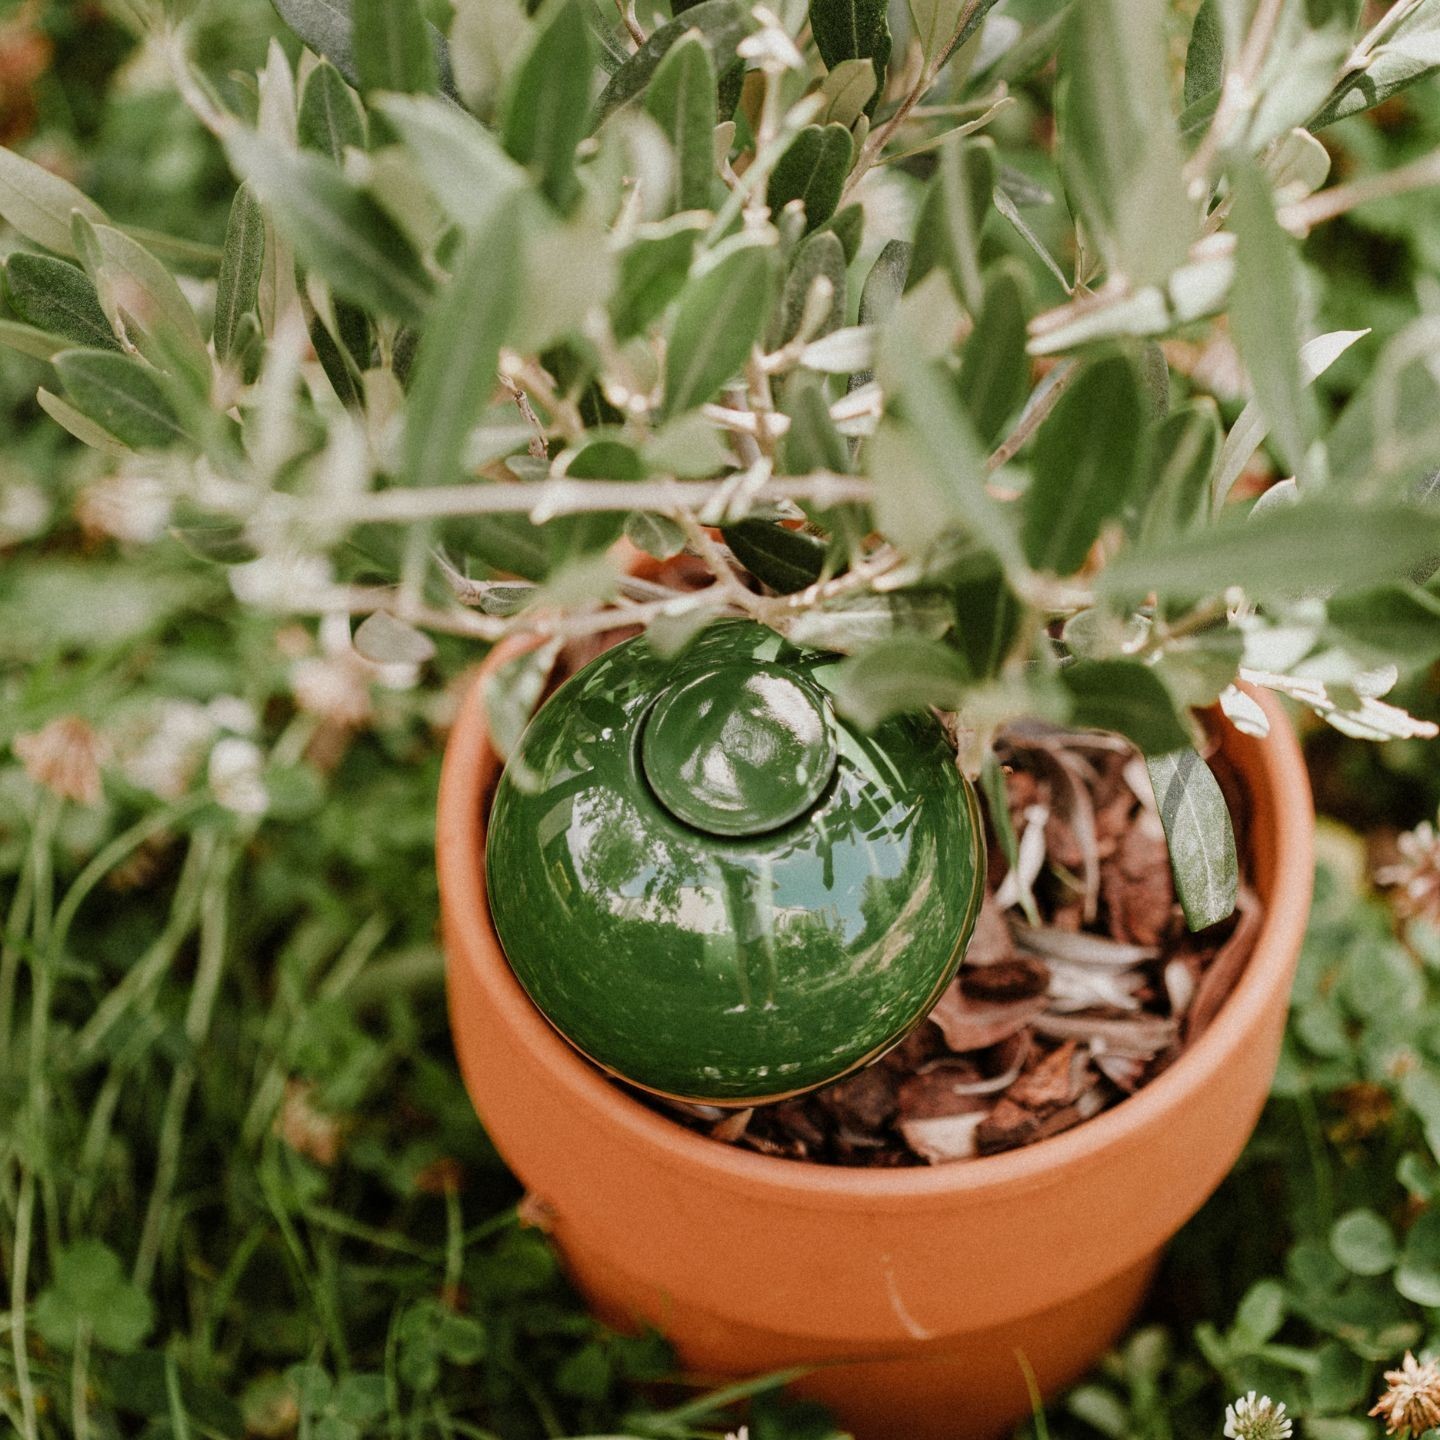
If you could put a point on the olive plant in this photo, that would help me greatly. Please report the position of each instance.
(817, 296)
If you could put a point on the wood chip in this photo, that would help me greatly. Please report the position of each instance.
(733, 1126)
(941, 1092)
(946, 1137)
(971, 1024)
(1020, 978)
(1224, 970)
(992, 942)
(1081, 949)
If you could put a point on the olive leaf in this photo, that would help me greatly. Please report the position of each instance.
(458, 352)
(59, 299)
(812, 441)
(76, 423)
(681, 99)
(571, 537)
(987, 618)
(237, 293)
(654, 534)
(1387, 441)
(819, 258)
(393, 47)
(120, 395)
(1311, 44)
(325, 26)
(1311, 546)
(943, 26)
(1397, 622)
(905, 673)
(1127, 698)
(1120, 148)
(142, 299)
(849, 623)
(881, 292)
(546, 112)
(1199, 834)
(653, 268)
(886, 282)
(1205, 55)
(27, 340)
(994, 374)
(931, 468)
(847, 225)
(1404, 47)
(39, 204)
(383, 639)
(721, 24)
(848, 91)
(336, 228)
(1265, 303)
(953, 215)
(1176, 495)
(328, 28)
(784, 559)
(463, 164)
(1246, 434)
(853, 30)
(702, 355)
(992, 785)
(812, 170)
(338, 363)
(330, 119)
(1086, 460)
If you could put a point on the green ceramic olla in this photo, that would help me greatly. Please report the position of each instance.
(713, 886)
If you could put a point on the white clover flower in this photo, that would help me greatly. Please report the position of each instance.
(235, 776)
(336, 684)
(230, 712)
(1254, 1417)
(1415, 875)
(24, 512)
(129, 506)
(171, 750)
(334, 687)
(282, 582)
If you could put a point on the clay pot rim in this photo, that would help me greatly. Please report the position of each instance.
(460, 858)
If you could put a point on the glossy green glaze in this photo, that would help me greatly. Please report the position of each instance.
(741, 749)
(746, 916)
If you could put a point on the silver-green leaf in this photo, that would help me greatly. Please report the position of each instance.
(455, 365)
(336, 228)
(59, 299)
(1199, 834)
(238, 291)
(1120, 147)
(720, 316)
(122, 396)
(681, 99)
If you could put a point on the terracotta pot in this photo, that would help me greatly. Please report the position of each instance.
(911, 1292)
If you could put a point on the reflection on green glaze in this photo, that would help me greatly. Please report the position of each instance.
(740, 749)
(706, 935)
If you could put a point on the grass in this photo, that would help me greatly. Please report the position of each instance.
(242, 1191)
